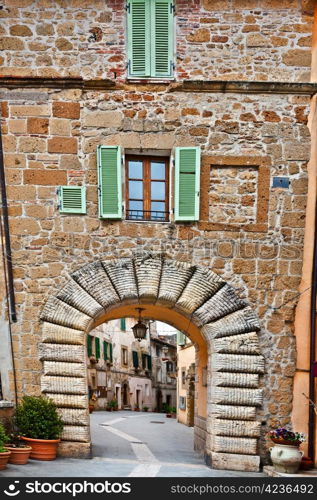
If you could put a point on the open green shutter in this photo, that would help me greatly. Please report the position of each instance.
(97, 345)
(89, 345)
(105, 350)
(135, 359)
(149, 362)
(109, 182)
(161, 38)
(139, 38)
(111, 357)
(122, 324)
(72, 199)
(187, 183)
(181, 338)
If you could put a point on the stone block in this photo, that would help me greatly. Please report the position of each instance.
(63, 109)
(37, 126)
(72, 449)
(27, 110)
(297, 57)
(17, 126)
(20, 30)
(11, 43)
(233, 461)
(45, 177)
(60, 126)
(67, 145)
(105, 119)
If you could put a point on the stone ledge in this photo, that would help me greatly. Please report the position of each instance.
(6, 404)
(71, 449)
(269, 470)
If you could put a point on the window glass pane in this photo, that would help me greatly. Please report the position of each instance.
(135, 169)
(136, 210)
(158, 206)
(136, 189)
(157, 190)
(157, 170)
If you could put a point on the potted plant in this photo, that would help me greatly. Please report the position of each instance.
(145, 408)
(4, 452)
(168, 410)
(40, 426)
(112, 405)
(285, 455)
(173, 412)
(20, 451)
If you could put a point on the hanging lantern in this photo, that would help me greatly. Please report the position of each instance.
(139, 329)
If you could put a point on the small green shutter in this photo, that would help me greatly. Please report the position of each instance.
(105, 350)
(111, 357)
(89, 345)
(162, 36)
(187, 183)
(139, 38)
(72, 199)
(149, 362)
(181, 338)
(122, 324)
(109, 182)
(135, 359)
(97, 345)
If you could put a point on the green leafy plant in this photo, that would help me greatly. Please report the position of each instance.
(173, 409)
(37, 418)
(4, 438)
(113, 403)
(145, 408)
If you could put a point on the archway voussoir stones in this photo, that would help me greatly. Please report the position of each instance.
(226, 322)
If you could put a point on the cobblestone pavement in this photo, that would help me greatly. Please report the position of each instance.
(130, 444)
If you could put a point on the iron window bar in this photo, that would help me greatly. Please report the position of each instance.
(153, 215)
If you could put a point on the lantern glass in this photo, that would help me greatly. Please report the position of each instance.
(139, 331)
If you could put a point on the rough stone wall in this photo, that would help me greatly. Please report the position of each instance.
(50, 138)
(223, 39)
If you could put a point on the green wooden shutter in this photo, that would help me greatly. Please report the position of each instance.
(144, 356)
(149, 362)
(135, 359)
(122, 324)
(161, 38)
(139, 38)
(72, 199)
(105, 350)
(109, 182)
(181, 338)
(89, 345)
(187, 183)
(97, 345)
(111, 357)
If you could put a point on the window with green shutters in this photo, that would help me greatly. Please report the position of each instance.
(72, 199)
(109, 182)
(97, 345)
(135, 359)
(187, 183)
(122, 324)
(150, 38)
(89, 345)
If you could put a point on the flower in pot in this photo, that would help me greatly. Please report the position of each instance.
(40, 426)
(285, 455)
(4, 452)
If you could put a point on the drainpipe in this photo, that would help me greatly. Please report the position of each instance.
(312, 415)
(8, 255)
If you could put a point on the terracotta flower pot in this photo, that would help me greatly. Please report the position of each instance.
(19, 456)
(4, 457)
(42, 449)
(285, 441)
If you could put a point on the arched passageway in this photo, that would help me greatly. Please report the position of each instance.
(194, 300)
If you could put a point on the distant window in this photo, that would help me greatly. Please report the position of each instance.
(183, 377)
(182, 403)
(122, 324)
(124, 356)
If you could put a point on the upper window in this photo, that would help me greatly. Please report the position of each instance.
(147, 188)
(150, 38)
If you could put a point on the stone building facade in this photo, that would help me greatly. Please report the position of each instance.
(185, 381)
(163, 352)
(121, 369)
(239, 90)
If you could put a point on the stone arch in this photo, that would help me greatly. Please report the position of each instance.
(210, 307)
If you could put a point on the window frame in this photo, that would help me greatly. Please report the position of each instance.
(147, 180)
